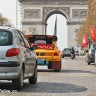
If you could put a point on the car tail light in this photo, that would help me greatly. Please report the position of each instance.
(12, 52)
(49, 36)
(56, 54)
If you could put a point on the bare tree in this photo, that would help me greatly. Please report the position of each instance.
(84, 29)
(89, 21)
(4, 21)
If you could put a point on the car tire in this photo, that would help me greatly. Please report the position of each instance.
(89, 63)
(49, 65)
(33, 79)
(18, 83)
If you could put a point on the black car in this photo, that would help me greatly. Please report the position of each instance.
(90, 55)
(66, 52)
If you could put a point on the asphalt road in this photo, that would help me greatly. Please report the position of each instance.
(75, 79)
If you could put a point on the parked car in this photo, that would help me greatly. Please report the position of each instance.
(90, 55)
(66, 52)
(18, 61)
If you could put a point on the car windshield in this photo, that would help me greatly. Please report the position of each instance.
(5, 38)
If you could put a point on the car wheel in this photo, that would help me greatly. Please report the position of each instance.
(89, 63)
(49, 65)
(33, 79)
(18, 83)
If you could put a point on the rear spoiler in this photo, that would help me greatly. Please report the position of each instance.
(41, 37)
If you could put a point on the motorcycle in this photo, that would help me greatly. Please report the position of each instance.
(72, 55)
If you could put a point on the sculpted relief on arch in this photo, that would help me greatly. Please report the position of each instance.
(55, 2)
(65, 11)
(79, 13)
(32, 13)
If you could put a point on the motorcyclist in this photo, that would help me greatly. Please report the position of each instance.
(72, 53)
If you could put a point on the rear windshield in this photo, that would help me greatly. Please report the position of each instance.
(67, 49)
(43, 42)
(5, 38)
(40, 40)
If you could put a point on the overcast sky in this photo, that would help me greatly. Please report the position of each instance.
(61, 29)
(8, 9)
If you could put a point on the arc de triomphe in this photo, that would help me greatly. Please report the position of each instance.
(36, 12)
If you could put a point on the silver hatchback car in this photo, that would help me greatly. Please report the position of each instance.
(18, 60)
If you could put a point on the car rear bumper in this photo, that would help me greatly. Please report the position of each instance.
(9, 64)
(9, 75)
(9, 70)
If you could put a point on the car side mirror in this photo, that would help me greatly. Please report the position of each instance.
(34, 47)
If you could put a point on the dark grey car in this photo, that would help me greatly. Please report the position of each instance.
(17, 59)
(66, 52)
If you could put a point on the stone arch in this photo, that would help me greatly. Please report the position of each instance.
(36, 12)
(51, 12)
